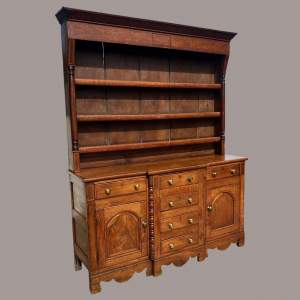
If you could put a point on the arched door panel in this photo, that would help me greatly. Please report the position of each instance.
(122, 234)
(223, 208)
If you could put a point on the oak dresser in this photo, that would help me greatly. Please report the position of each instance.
(150, 181)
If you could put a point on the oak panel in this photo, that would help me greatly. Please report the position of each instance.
(178, 179)
(223, 171)
(154, 68)
(177, 243)
(91, 100)
(154, 101)
(90, 134)
(88, 59)
(122, 101)
(223, 207)
(96, 32)
(121, 66)
(171, 224)
(120, 187)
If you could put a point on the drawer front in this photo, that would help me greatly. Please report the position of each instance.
(187, 197)
(172, 245)
(178, 179)
(120, 187)
(180, 221)
(223, 171)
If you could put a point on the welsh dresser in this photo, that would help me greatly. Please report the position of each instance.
(150, 181)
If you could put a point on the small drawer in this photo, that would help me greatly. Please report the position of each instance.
(179, 242)
(178, 179)
(120, 187)
(180, 221)
(181, 198)
(223, 171)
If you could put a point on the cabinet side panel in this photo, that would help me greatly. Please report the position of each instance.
(81, 232)
(64, 41)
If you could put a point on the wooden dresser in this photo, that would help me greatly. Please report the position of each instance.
(150, 181)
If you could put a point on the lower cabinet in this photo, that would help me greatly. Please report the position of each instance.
(130, 224)
(223, 207)
(122, 231)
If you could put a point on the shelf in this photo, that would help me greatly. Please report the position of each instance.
(92, 118)
(148, 145)
(147, 84)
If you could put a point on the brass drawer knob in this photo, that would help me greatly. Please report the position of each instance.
(170, 182)
(191, 221)
(190, 179)
(136, 186)
(233, 171)
(145, 224)
(170, 226)
(190, 240)
(190, 200)
(214, 174)
(209, 208)
(107, 191)
(171, 204)
(171, 246)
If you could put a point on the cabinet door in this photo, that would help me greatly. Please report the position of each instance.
(223, 207)
(122, 233)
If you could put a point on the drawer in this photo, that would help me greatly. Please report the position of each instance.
(180, 221)
(180, 197)
(178, 179)
(119, 187)
(172, 245)
(223, 171)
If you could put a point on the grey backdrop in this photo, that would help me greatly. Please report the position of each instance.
(262, 123)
